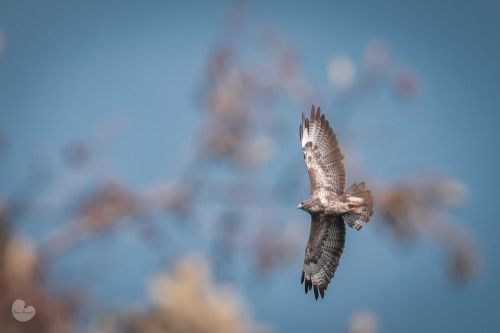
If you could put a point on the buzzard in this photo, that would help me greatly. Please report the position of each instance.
(329, 206)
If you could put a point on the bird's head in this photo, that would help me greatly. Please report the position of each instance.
(304, 205)
(310, 205)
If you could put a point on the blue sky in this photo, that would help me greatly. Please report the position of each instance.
(67, 66)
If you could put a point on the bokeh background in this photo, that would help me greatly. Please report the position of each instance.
(150, 164)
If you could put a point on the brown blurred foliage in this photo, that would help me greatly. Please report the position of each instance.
(420, 208)
(22, 277)
(363, 322)
(187, 300)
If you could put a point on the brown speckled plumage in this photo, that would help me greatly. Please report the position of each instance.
(329, 206)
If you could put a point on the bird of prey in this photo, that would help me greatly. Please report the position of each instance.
(329, 206)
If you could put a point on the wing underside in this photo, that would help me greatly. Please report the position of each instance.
(323, 251)
(322, 154)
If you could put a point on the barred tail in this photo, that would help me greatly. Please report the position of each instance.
(360, 202)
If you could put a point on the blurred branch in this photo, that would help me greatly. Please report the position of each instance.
(421, 209)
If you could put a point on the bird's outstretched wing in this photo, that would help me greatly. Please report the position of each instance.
(322, 154)
(323, 251)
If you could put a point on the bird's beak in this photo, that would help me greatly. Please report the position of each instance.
(299, 206)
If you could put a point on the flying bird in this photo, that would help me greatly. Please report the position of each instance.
(329, 206)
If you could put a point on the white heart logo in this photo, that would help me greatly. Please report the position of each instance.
(22, 313)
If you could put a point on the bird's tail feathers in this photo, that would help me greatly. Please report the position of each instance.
(360, 203)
